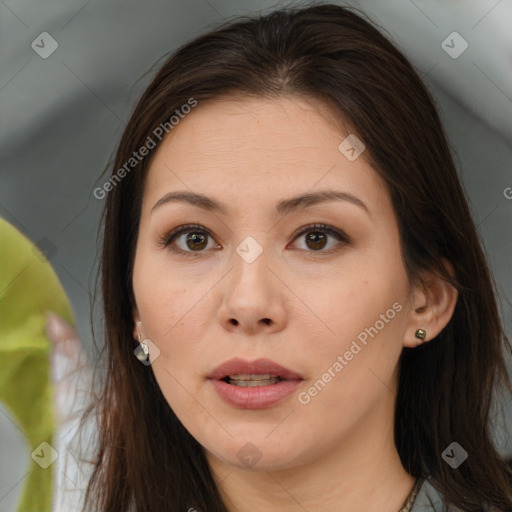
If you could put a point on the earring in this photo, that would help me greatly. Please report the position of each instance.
(143, 352)
(421, 334)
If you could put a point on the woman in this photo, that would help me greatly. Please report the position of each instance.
(289, 253)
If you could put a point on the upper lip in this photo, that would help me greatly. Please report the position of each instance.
(259, 366)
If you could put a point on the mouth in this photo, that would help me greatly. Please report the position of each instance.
(254, 385)
(252, 380)
(261, 372)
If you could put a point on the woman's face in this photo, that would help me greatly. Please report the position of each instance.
(248, 284)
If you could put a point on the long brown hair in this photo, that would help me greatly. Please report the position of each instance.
(146, 459)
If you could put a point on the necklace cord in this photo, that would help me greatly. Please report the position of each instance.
(409, 502)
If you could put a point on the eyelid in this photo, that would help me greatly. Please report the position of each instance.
(340, 235)
(325, 228)
(167, 238)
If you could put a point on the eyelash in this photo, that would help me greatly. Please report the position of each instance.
(169, 237)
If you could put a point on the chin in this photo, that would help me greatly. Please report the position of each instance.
(259, 453)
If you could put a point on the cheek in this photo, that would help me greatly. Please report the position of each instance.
(336, 309)
(360, 318)
(161, 295)
(174, 318)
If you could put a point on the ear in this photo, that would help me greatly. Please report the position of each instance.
(136, 323)
(432, 307)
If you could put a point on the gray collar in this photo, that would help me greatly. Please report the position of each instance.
(429, 499)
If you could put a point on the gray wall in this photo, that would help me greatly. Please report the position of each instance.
(61, 117)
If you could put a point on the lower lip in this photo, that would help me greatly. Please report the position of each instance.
(257, 397)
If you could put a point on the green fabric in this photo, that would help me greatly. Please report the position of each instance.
(29, 289)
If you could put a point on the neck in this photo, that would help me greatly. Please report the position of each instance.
(363, 473)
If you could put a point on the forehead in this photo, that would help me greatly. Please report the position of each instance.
(259, 151)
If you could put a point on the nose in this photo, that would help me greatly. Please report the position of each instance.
(254, 296)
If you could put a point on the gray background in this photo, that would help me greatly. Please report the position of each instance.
(62, 116)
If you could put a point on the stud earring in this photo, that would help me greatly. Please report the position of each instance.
(421, 334)
(143, 352)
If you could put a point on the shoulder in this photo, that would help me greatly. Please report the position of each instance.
(430, 499)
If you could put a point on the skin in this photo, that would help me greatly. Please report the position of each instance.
(337, 451)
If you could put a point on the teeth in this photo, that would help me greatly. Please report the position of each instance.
(266, 376)
(246, 376)
(240, 376)
(246, 383)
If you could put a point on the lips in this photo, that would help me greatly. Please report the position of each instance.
(258, 369)
(254, 385)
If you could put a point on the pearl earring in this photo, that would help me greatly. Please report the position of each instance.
(421, 334)
(143, 353)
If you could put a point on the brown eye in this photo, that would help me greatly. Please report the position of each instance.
(316, 240)
(317, 237)
(196, 239)
(195, 243)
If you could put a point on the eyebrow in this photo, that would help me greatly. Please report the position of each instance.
(282, 208)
